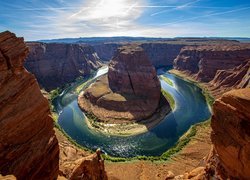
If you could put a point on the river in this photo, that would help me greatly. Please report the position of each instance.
(191, 108)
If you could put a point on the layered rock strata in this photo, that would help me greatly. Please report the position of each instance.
(28, 146)
(130, 92)
(231, 132)
(223, 66)
(56, 64)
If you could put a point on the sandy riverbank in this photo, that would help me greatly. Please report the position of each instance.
(130, 128)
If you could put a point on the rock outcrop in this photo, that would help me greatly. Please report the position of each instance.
(222, 66)
(28, 145)
(130, 92)
(231, 132)
(90, 167)
(56, 64)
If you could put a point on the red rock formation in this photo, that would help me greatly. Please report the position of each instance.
(222, 66)
(55, 64)
(131, 92)
(231, 132)
(28, 146)
(131, 72)
(91, 167)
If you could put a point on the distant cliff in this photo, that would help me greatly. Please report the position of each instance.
(159, 53)
(162, 54)
(106, 50)
(222, 66)
(28, 145)
(56, 64)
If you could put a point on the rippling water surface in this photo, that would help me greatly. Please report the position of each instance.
(191, 108)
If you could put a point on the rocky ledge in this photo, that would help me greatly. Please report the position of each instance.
(130, 93)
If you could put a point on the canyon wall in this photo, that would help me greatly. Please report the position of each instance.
(56, 64)
(159, 53)
(222, 66)
(231, 132)
(28, 146)
(106, 50)
(162, 54)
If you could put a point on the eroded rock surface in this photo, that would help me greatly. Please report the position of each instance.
(130, 92)
(28, 145)
(231, 132)
(222, 66)
(55, 64)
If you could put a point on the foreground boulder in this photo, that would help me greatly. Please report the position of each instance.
(28, 145)
(130, 92)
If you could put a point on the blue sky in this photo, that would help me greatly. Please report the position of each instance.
(48, 19)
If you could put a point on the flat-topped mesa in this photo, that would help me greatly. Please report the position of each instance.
(130, 92)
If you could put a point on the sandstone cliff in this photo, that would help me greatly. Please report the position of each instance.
(222, 66)
(231, 132)
(57, 64)
(28, 145)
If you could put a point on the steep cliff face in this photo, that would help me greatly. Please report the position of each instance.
(106, 50)
(162, 54)
(231, 132)
(131, 71)
(28, 146)
(56, 64)
(222, 66)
